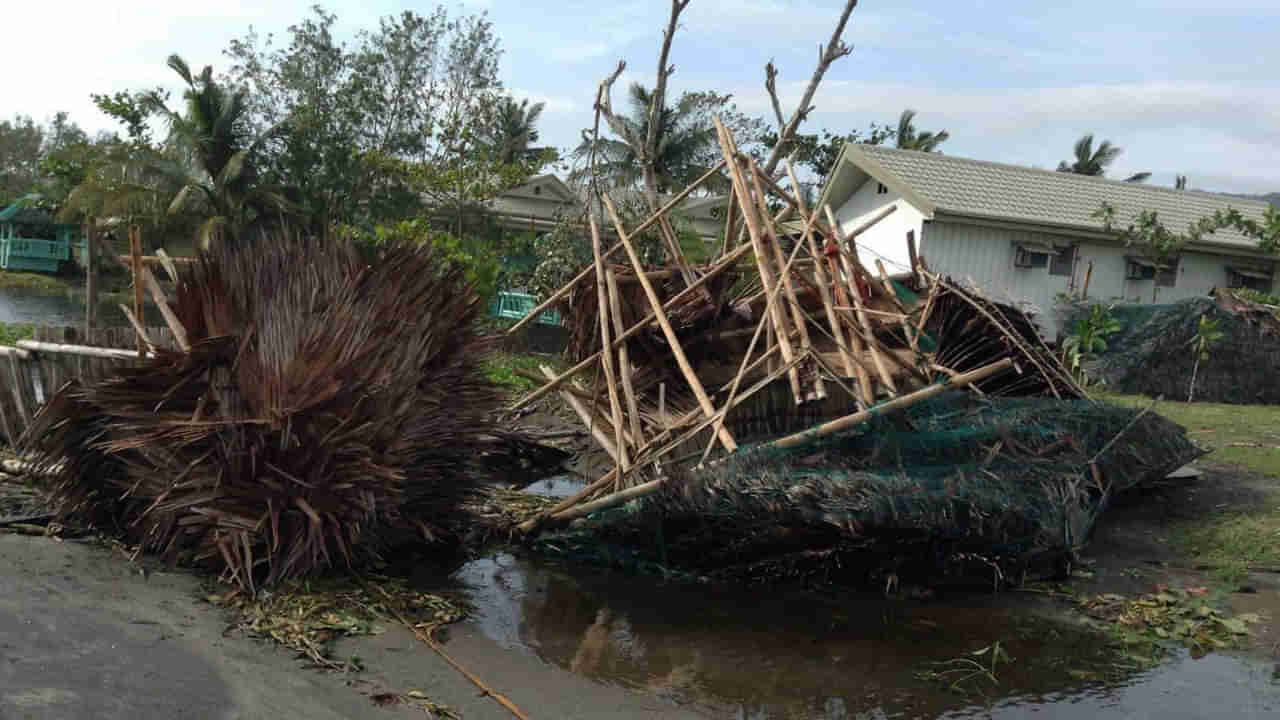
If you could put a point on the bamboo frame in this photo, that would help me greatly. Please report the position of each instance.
(624, 361)
(602, 297)
(136, 318)
(690, 377)
(852, 266)
(587, 417)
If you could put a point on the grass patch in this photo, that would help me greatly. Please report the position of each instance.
(511, 370)
(1233, 540)
(33, 281)
(11, 334)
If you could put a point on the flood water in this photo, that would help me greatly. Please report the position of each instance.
(54, 310)
(765, 654)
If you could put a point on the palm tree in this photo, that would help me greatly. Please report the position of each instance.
(514, 131)
(682, 143)
(911, 139)
(1089, 161)
(213, 157)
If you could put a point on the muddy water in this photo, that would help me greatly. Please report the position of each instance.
(764, 654)
(54, 310)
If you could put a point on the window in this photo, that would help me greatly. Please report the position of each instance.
(1063, 262)
(1030, 257)
(1167, 275)
(1139, 269)
(881, 189)
(537, 189)
(1249, 278)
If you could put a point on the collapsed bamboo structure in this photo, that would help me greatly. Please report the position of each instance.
(666, 360)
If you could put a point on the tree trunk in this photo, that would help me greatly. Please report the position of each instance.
(1194, 369)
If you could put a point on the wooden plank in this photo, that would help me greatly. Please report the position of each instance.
(170, 319)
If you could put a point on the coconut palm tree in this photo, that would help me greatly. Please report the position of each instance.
(514, 132)
(682, 142)
(911, 139)
(1091, 161)
(213, 155)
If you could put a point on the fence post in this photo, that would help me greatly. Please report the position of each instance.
(135, 250)
(91, 277)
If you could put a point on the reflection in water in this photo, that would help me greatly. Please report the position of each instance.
(766, 654)
(54, 310)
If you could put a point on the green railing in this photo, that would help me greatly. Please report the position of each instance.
(18, 253)
(516, 306)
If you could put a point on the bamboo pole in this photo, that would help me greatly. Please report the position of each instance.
(823, 282)
(672, 203)
(168, 264)
(797, 316)
(724, 264)
(849, 257)
(19, 398)
(823, 430)
(10, 432)
(674, 342)
(610, 376)
(888, 288)
(135, 252)
(587, 417)
(170, 319)
(81, 350)
(763, 258)
(144, 340)
(624, 360)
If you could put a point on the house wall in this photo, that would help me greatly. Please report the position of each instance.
(887, 239)
(984, 255)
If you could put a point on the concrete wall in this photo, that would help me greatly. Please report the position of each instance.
(984, 255)
(887, 239)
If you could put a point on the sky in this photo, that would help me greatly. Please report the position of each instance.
(1184, 87)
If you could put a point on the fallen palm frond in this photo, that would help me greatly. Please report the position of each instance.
(325, 407)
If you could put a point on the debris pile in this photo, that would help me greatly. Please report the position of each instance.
(1153, 354)
(317, 408)
(785, 329)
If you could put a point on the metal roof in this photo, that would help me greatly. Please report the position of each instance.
(959, 186)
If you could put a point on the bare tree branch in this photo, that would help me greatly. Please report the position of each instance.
(604, 106)
(771, 84)
(649, 153)
(828, 54)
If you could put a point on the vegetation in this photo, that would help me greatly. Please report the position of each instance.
(14, 280)
(908, 138)
(1207, 336)
(11, 334)
(1244, 438)
(1093, 161)
(512, 371)
(1088, 338)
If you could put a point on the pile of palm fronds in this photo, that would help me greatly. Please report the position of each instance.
(325, 406)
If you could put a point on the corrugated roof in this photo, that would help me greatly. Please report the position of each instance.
(1015, 193)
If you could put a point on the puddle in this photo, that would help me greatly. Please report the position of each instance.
(556, 486)
(764, 654)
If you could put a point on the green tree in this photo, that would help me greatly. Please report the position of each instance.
(514, 131)
(21, 140)
(214, 156)
(1207, 336)
(1095, 161)
(1089, 337)
(909, 138)
(817, 153)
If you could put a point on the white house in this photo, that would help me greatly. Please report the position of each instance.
(1029, 235)
(542, 202)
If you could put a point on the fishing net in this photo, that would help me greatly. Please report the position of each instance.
(1005, 482)
(1152, 353)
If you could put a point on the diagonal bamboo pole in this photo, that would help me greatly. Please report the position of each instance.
(610, 375)
(586, 272)
(763, 257)
(852, 266)
(672, 340)
(624, 361)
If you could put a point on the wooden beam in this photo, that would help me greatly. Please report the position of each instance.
(81, 350)
(91, 280)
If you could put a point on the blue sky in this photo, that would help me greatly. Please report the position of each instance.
(1185, 87)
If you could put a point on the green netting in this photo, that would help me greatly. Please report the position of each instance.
(1152, 354)
(1005, 479)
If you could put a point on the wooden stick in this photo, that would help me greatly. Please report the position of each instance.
(587, 416)
(144, 340)
(606, 341)
(673, 202)
(170, 319)
(19, 398)
(935, 283)
(850, 261)
(797, 316)
(81, 350)
(91, 278)
(674, 342)
(624, 359)
(155, 259)
(10, 432)
(888, 288)
(911, 253)
(823, 282)
(167, 263)
(746, 357)
(728, 224)
(135, 251)
(724, 264)
(1088, 274)
(763, 258)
